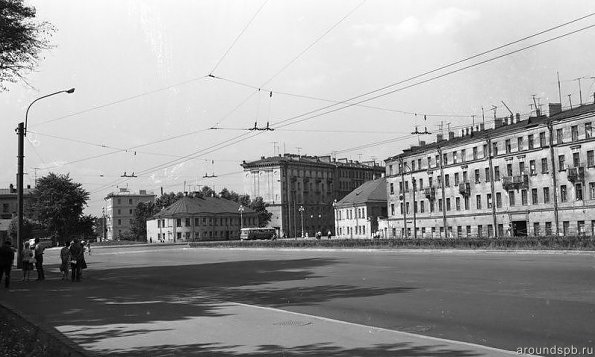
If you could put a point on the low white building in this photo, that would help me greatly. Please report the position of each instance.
(199, 219)
(357, 214)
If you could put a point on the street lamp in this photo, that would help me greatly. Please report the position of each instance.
(22, 132)
(335, 215)
(241, 210)
(301, 209)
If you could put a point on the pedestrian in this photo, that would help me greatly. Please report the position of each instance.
(329, 234)
(39, 260)
(65, 260)
(28, 261)
(76, 259)
(6, 260)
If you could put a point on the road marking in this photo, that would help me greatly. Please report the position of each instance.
(437, 339)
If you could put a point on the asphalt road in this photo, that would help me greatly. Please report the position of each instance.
(501, 300)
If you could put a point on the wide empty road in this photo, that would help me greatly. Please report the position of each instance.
(156, 298)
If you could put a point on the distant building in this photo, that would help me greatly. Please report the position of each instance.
(119, 211)
(9, 207)
(199, 219)
(356, 215)
(301, 189)
(523, 177)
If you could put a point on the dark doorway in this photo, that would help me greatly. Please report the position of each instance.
(519, 228)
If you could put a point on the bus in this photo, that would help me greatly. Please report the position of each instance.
(258, 233)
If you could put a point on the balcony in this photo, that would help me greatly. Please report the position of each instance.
(465, 189)
(516, 182)
(576, 174)
(430, 193)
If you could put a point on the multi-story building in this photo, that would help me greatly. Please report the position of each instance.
(356, 215)
(9, 207)
(523, 177)
(300, 189)
(119, 211)
(200, 219)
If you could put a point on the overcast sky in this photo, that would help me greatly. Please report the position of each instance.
(140, 69)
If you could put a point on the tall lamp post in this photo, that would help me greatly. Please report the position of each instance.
(335, 216)
(22, 132)
(301, 209)
(241, 210)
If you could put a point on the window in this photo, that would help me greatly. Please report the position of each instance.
(456, 178)
(507, 146)
(412, 165)
(590, 159)
(542, 142)
(187, 222)
(463, 155)
(477, 178)
(592, 190)
(494, 150)
(407, 207)
(429, 162)
(459, 231)
(458, 203)
(440, 205)
(580, 225)
(422, 206)
(534, 199)
(561, 160)
(421, 184)
(119, 211)
(544, 168)
(563, 194)
(532, 169)
(401, 187)
(511, 198)
(520, 143)
(497, 173)
(431, 204)
(524, 197)
(479, 231)
(448, 204)
(489, 200)
(446, 180)
(392, 188)
(119, 222)
(464, 176)
(565, 227)
(466, 201)
(487, 173)
(546, 195)
(158, 223)
(130, 201)
(574, 132)
(485, 151)
(559, 136)
(390, 170)
(588, 131)
(179, 222)
(530, 141)
(498, 199)
(548, 228)
(468, 229)
(119, 201)
(179, 235)
(578, 189)
(392, 209)
(415, 206)
(521, 168)
(418, 165)
(536, 228)
(196, 220)
(475, 153)
(437, 160)
(576, 159)
(490, 230)
(509, 169)
(478, 201)
(454, 157)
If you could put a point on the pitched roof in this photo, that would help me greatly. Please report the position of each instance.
(322, 161)
(368, 192)
(188, 206)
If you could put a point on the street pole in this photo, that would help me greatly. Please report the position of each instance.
(413, 187)
(403, 201)
(301, 209)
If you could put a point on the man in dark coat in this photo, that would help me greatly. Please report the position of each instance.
(39, 259)
(6, 260)
(76, 258)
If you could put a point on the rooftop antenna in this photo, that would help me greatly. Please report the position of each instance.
(483, 117)
(536, 106)
(494, 108)
(559, 88)
(570, 100)
(274, 147)
(580, 93)
(510, 111)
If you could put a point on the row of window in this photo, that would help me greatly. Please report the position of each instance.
(512, 201)
(350, 231)
(461, 156)
(198, 235)
(477, 177)
(538, 229)
(208, 221)
(349, 213)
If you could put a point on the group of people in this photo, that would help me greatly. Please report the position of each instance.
(72, 256)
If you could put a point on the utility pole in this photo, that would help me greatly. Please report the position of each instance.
(443, 208)
(403, 200)
(493, 189)
(20, 158)
(550, 126)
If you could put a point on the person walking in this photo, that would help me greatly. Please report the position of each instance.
(28, 261)
(65, 260)
(329, 234)
(6, 260)
(76, 260)
(39, 260)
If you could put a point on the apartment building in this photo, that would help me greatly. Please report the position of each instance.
(199, 219)
(356, 215)
(522, 177)
(119, 211)
(301, 189)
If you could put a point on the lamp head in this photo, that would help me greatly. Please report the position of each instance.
(70, 91)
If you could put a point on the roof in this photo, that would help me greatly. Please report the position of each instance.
(188, 206)
(494, 132)
(13, 191)
(322, 161)
(369, 192)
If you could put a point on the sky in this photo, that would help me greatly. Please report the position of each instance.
(153, 78)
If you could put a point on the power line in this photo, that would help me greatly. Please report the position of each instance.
(239, 35)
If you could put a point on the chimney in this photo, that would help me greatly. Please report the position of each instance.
(555, 108)
(498, 123)
(512, 119)
(451, 135)
(422, 143)
(439, 137)
(518, 117)
(11, 187)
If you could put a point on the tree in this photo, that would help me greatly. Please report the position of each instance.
(144, 211)
(21, 40)
(167, 199)
(264, 216)
(58, 204)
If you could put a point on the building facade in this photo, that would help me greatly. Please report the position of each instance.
(199, 219)
(523, 177)
(357, 214)
(300, 189)
(119, 211)
(9, 207)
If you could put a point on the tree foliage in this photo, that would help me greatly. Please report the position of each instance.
(144, 211)
(264, 216)
(58, 205)
(21, 41)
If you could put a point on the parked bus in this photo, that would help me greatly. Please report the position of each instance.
(258, 233)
